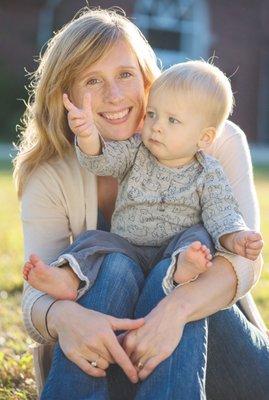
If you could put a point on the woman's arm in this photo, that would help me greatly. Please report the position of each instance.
(46, 232)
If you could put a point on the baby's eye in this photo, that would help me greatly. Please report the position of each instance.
(125, 75)
(150, 114)
(93, 81)
(174, 120)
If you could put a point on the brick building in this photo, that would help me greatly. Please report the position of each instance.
(235, 31)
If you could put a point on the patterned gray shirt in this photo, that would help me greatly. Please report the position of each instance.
(155, 202)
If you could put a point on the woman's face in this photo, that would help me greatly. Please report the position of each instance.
(117, 89)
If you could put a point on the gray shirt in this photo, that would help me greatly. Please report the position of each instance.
(155, 201)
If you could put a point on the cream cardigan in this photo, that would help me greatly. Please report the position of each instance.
(60, 202)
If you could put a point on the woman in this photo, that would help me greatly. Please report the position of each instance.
(105, 54)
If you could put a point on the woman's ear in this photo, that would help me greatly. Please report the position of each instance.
(207, 137)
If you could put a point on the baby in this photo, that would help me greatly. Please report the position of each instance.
(167, 185)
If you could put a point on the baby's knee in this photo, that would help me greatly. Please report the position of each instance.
(121, 267)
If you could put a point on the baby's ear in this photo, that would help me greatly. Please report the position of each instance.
(207, 137)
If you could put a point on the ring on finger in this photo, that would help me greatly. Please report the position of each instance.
(140, 365)
(94, 363)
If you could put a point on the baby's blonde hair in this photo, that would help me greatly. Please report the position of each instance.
(204, 84)
(82, 42)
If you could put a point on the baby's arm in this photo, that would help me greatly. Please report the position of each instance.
(111, 158)
(220, 211)
(244, 243)
(82, 125)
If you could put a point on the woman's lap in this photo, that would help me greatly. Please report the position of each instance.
(226, 353)
(115, 292)
(238, 358)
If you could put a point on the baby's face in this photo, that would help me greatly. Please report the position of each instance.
(173, 127)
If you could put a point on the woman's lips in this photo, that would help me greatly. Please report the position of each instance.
(116, 117)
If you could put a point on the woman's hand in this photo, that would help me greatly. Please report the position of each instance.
(87, 336)
(156, 340)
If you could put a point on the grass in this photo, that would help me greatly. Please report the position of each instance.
(16, 377)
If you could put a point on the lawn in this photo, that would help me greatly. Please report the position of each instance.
(16, 378)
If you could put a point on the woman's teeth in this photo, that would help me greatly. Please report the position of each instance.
(116, 115)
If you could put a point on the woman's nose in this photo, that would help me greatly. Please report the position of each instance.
(114, 93)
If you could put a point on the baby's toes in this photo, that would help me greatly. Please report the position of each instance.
(27, 267)
(196, 245)
(34, 258)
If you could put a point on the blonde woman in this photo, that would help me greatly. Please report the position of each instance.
(105, 54)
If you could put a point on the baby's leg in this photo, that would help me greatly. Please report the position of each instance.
(191, 252)
(192, 261)
(61, 283)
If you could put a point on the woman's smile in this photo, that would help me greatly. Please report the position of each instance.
(116, 117)
(118, 94)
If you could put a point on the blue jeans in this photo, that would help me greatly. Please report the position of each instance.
(232, 362)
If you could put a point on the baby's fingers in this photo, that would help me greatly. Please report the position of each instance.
(256, 245)
(252, 254)
(67, 103)
(87, 104)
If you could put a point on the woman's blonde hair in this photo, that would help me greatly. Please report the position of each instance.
(80, 43)
(204, 84)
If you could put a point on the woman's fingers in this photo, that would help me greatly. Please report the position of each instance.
(100, 362)
(129, 343)
(146, 368)
(125, 324)
(121, 358)
(88, 368)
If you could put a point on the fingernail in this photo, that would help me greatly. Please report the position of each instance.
(134, 379)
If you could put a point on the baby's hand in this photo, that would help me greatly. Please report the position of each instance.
(247, 244)
(81, 120)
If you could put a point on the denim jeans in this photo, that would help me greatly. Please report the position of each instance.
(232, 361)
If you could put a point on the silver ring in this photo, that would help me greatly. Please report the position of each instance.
(94, 364)
(140, 365)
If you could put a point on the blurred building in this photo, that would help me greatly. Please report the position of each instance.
(236, 32)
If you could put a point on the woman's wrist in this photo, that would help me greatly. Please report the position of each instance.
(212, 291)
(179, 307)
(50, 322)
(55, 317)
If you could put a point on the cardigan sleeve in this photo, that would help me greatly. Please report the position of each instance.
(46, 232)
(232, 151)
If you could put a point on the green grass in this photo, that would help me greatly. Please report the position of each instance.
(16, 378)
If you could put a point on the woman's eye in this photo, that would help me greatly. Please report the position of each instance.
(125, 75)
(173, 120)
(92, 81)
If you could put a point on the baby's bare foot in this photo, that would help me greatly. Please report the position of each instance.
(60, 283)
(192, 262)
